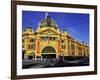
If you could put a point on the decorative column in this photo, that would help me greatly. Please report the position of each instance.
(59, 48)
(85, 50)
(38, 46)
(26, 47)
(70, 48)
(75, 48)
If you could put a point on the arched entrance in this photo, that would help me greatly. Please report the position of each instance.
(31, 56)
(48, 52)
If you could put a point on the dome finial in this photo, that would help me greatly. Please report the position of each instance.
(46, 15)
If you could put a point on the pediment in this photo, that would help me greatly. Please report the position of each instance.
(49, 31)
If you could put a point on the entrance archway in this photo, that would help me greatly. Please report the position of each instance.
(48, 52)
(31, 56)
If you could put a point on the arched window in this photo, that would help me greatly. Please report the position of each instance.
(80, 53)
(48, 49)
(32, 40)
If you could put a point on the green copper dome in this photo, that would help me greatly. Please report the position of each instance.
(47, 22)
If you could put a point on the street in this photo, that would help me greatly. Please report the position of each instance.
(47, 63)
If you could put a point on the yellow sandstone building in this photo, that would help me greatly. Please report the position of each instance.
(49, 41)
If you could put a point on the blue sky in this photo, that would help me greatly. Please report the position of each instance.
(76, 24)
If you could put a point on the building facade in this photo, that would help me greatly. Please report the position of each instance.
(49, 41)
